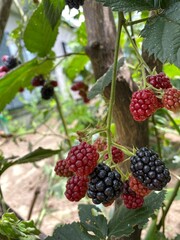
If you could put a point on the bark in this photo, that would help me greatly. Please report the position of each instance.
(5, 6)
(101, 43)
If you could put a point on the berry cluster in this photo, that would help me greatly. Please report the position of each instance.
(61, 169)
(10, 62)
(105, 185)
(159, 81)
(74, 3)
(82, 89)
(149, 169)
(80, 162)
(101, 183)
(47, 90)
(131, 199)
(117, 155)
(145, 102)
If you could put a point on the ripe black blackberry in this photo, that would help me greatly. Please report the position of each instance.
(105, 185)
(74, 3)
(149, 169)
(47, 91)
(11, 62)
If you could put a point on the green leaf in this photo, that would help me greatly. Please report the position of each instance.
(165, 4)
(12, 227)
(171, 71)
(73, 65)
(39, 37)
(125, 219)
(104, 81)
(34, 156)
(73, 231)
(96, 223)
(21, 77)
(161, 35)
(130, 5)
(53, 10)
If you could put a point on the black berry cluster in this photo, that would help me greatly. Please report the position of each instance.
(74, 3)
(105, 185)
(10, 62)
(47, 92)
(149, 169)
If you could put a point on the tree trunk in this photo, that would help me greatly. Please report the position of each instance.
(5, 6)
(101, 45)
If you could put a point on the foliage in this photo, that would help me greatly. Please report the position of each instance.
(53, 10)
(39, 37)
(93, 224)
(11, 228)
(161, 35)
(32, 157)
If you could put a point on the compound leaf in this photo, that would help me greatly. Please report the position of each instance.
(125, 219)
(73, 231)
(130, 5)
(161, 35)
(93, 220)
(39, 37)
(53, 10)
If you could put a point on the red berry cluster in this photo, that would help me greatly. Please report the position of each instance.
(80, 162)
(47, 90)
(117, 155)
(82, 89)
(132, 196)
(100, 144)
(145, 102)
(9, 62)
(159, 81)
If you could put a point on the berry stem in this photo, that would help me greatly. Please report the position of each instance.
(130, 23)
(141, 60)
(113, 84)
(152, 229)
(157, 136)
(123, 149)
(2, 202)
(59, 108)
(171, 199)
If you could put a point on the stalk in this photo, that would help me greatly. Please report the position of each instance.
(174, 193)
(59, 108)
(113, 84)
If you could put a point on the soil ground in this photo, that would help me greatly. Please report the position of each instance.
(19, 184)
